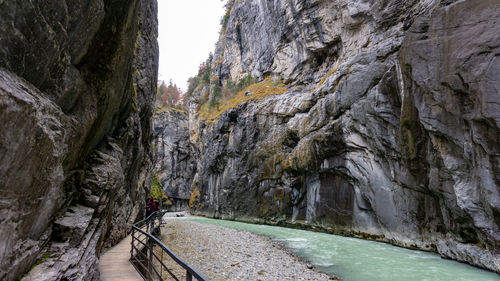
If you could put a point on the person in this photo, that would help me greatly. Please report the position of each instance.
(155, 206)
(150, 207)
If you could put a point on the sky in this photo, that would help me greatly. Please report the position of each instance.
(188, 31)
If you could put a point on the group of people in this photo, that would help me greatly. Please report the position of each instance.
(151, 206)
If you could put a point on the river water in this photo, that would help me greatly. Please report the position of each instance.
(361, 260)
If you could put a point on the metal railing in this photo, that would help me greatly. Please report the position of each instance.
(142, 253)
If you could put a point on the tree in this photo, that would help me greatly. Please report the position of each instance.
(160, 91)
(172, 94)
(193, 82)
(156, 188)
(168, 95)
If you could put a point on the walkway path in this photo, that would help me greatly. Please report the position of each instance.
(115, 264)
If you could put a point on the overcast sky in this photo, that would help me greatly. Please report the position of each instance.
(188, 31)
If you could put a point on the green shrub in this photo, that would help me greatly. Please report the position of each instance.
(216, 96)
(206, 75)
(193, 83)
(244, 82)
(156, 188)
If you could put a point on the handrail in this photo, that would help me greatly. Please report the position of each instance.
(142, 252)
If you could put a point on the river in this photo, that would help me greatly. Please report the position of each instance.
(355, 259)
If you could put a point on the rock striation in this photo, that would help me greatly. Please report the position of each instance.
(175, 157)
(77, 85)
(389, 130)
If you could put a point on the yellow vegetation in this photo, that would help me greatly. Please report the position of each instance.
(167, 201)
(161, 110)
(195, 198)
(134, 86)
(257, 91)
(328, 74)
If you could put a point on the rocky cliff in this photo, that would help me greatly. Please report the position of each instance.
(389, 128)
(77, 85)
(175, 157)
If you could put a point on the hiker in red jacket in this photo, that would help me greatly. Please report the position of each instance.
(150, 207)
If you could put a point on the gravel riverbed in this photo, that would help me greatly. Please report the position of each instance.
(222, 253)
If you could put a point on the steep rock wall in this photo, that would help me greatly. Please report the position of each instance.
(175, 157)
(77, 84)
(389, 129)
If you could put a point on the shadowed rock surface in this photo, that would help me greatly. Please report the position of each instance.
(175, 161)
(77, 84)
(389, 129)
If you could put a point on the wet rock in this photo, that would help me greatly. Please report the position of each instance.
(451, 83)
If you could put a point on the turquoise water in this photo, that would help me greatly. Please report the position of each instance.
(361, 260)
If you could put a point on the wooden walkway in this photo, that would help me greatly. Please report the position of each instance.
(115, 264)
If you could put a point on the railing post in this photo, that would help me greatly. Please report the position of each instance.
(132, 245)
(150, 262)
(148, 228)
(157, 219)
(153, 223)
(161, 266)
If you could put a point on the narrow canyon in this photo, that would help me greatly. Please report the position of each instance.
(374, 119)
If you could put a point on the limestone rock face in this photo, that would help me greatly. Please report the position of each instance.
(175, 157)
(450, 117)
(77, 84)
(389, 129)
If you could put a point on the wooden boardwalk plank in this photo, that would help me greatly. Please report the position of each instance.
(114, 265)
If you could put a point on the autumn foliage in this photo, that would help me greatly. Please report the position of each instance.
(169, 95)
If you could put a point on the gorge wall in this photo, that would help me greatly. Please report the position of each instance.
(175, 157)
(77, 86)
(389, 128)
